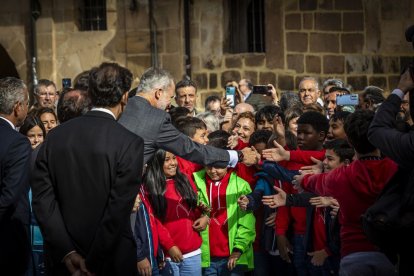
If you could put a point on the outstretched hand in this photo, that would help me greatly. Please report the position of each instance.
(276, 154)
(243, 201)
(277, 200)
(316, 168)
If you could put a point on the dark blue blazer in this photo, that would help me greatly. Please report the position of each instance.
(15, 153)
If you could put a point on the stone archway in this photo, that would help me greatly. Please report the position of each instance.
(7, 67)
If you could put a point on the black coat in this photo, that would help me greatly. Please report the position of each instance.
(84, 184)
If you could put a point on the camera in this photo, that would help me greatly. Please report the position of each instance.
(231, 95)
(347, 99)
(262, 89)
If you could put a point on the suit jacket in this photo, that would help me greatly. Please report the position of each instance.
(84, 184)
(15, 152)
(154, 126)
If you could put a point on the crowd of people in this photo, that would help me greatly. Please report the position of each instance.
(102, 179)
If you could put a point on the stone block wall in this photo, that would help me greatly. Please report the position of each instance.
(359, 41)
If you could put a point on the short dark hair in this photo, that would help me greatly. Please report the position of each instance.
(219, 139)
(185, 83)
(211, 99)
(341, 147)
(189, 125)
(72, 103)
(42, 110)
(318, 121)
(340, 116)
(260, 136)
(356, 129)
(288, 99)
(178, 112)
(268, 112)
(108, 83)
(340, 89)
(29, 123)
(43, 82)
(81, 81)
(373, 94)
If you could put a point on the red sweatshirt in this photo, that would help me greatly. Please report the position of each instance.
(187, 167)
(218, 229)
(298, 159)
(356, 187)
(179, 220)
(159, 233)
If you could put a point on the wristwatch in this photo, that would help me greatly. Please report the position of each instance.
(240, 156)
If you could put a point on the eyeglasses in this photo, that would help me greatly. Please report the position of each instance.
(44, 95)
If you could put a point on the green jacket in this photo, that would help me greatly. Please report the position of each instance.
(241, 224)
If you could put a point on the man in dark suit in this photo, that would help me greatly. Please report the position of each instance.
(15, 152)
(145, 116)
(85, 181)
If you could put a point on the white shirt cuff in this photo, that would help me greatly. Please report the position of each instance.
(234, 158)
(399, 93)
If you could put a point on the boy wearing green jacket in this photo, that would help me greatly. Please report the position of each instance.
(227, 241)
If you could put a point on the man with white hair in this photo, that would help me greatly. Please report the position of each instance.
(145, 116)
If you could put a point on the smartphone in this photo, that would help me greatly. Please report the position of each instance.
(66, 83)
(347, 99)
(262, 89)
(231, 95)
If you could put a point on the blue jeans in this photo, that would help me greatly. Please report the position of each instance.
(366, 263)
(189, 266)
(218, 266)
(300, 255)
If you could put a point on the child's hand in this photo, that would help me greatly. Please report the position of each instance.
(278, 126)
(175, 254)
(297, 182)
(204, 208)
(233, 260)
(313, 169)
(335, 207)
(284, 247)
(321, 201)
(318, 257)
(232, 141)
(243, 201)
(144, 267)
(201, 223)
(277, 200)
(276, 154)
(271, 220)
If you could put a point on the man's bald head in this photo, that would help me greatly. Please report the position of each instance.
(241, 108)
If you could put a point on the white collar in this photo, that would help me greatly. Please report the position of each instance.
(103, 110)
(10, 123)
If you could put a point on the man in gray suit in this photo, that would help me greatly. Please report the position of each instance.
(145, 116)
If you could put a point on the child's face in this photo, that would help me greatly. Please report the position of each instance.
(216, 174)
(263, 123)
(336, 130)
(331, 161)
(293, 125)
(170, 165)
(244, 129)
(309, 138)
(200, 136)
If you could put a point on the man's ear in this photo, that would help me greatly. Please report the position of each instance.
(318, 93)
(124, 99)
(158, 93)
(16, 108)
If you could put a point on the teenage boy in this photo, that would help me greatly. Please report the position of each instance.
(356, 187)
(336, 125)
(227, 241)
(196, 129)
(312, 129)
(264, 117)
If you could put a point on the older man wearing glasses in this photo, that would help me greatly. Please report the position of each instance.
(45, 94)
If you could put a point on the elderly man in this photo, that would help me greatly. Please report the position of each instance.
(145, 116)
(45, 94)
(309, 92)
(15, 152)
(186, 95)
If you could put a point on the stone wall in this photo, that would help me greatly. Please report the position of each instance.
(359, 41)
